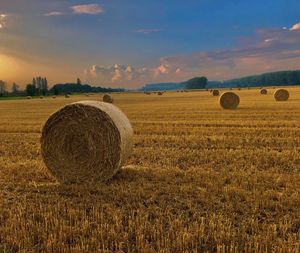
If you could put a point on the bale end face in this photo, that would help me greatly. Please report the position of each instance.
(107, 98)
(216, 93)
(281, 95)
(86, 142)
(263, 92)
(229, 100)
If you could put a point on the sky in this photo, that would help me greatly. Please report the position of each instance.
(125, 43)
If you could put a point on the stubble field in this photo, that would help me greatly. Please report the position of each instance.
(200, 179)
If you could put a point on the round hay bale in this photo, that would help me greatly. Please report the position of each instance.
(281, 95)
(160, 93)
(86, 141)
(107, 98)
(216, 93)
(67, 96)
(229, 100)
(263, 91)
(29, 97)
(41, 97)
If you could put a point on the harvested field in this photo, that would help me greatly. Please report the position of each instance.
(201, 179)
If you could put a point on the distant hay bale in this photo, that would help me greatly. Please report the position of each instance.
(86, 141)
(67, 96)
(281, 95)
(53, 96)
(160, 93)
(41, 97)
(263, 91)
(29, 97)
(216, 93)
(229, 100)
(107, 98)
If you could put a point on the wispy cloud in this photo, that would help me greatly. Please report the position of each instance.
(53, 13)
(148, 31)
(90, 9)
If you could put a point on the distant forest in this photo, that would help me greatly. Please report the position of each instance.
(282, 78)
(69, 88)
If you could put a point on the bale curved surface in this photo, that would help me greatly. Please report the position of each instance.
(229, 100)
(86, 141)
(108, 98)
(281, 95)
(263, 91)
(216, 93)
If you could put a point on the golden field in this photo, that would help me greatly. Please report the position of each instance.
(200, 179)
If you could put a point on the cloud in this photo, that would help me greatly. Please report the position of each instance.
(90, 9)
(3, 19)
(268, 50)
(148, 31)
(295, 27)
(53, 13)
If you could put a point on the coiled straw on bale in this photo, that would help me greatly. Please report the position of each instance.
(86, 141)
(263, 91)
(107, 98)
(216, 93)
(281, 95)
(229, 100)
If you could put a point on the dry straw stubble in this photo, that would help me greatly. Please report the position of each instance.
(281, 95)
(229, 100)
(87, 141)
(107, 98)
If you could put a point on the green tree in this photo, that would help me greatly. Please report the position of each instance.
(15, 88)
(30, 90)
(196, 83)
(2, 88)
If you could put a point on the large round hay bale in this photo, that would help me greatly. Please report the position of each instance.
(263, 91)
(281, 95)
(86, 141)
(160, 93)
(216, 93)
(229, 100)
(29, 97)
(107, 98)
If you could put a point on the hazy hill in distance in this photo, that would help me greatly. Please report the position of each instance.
(280, 78)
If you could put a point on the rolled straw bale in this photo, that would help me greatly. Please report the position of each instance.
(160, 93)
(86, 141)
(67, 96)
(229, 100)
(29, 97)
(107, 98)
(263, 91)
(53, 97)
(281, 95)
(41, 97)
(216, 93)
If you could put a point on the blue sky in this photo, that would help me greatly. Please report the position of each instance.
(123, 43)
